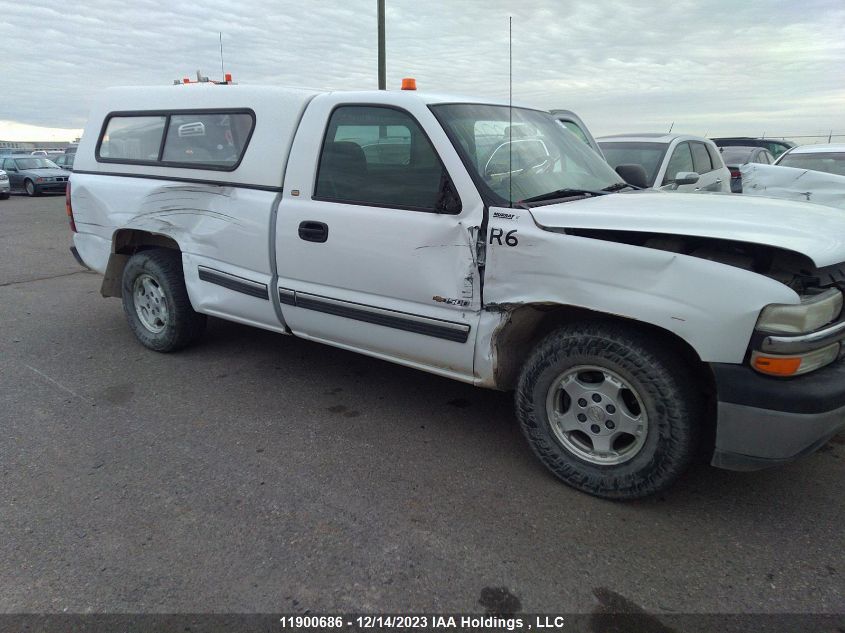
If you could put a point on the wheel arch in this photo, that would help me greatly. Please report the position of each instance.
(524, 326)
(124, 244)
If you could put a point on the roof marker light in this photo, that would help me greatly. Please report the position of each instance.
(409, 83)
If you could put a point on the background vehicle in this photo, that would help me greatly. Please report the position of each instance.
(737, 156)
(776, 147)
(828, 158)
(673, 162)
(65, 161)
(5, 188)
(35, 175)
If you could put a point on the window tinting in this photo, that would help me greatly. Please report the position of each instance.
(681, 160)
(136, 138)
(715, 159)
(209, 139)
(381, 157)
(700, 158)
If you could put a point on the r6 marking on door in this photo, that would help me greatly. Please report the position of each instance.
(509, 238)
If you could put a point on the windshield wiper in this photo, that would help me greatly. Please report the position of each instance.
(564, 193)
(617, 186)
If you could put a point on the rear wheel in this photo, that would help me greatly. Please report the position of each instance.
(31, 189)
(5, 195)
(609, 411)
(156, 301)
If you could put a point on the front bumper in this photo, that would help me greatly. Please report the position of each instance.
(764, 421)
(51, 186)
(4, 186)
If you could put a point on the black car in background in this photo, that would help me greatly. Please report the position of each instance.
(35, 175)
(736, 157)
(775, 146)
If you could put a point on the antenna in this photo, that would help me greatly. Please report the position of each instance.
(671, 126)
(222, 72)
(510, 110)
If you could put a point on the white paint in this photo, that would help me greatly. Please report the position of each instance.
(400, 260)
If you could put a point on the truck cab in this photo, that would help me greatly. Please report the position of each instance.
(483, 243)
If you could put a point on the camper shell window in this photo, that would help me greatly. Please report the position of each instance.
(194, 139)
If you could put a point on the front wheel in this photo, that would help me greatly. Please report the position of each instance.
(609, 411)
(156, 301)
(31, 189)
(5, 195)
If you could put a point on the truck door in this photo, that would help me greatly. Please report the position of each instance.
(375, 241)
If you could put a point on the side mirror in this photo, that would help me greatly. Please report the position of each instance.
(634, 175)
(686, 178)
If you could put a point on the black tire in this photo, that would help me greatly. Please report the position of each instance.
(30, 188)
(665, 391)
(161, 268)
(4, 196)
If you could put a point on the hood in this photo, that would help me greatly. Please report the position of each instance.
(47, 172)
(813, 230)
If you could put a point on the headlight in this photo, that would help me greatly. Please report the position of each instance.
(813, 312)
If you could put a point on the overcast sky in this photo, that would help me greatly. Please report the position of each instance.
(717, 68)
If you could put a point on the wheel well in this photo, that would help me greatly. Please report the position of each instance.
(125, 243)
(527, 325)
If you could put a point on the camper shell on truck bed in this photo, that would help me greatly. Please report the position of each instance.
(480, 243)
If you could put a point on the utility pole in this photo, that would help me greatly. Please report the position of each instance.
(382, 69)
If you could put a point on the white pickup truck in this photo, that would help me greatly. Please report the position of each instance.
(638, 329)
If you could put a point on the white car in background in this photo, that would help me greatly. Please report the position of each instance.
(672, 162)
(827, 158)
(812, 173)
(5, 187)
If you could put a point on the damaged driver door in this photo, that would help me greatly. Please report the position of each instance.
(378, 255)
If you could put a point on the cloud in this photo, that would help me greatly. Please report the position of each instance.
(717, 67)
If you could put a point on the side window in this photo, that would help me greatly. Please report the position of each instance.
(700, 158)
(715, 158)
(209, 139)
(681, 160)
(135, 138)
(9, 164)
(381, 157)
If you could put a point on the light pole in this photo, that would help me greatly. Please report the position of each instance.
(382, 72)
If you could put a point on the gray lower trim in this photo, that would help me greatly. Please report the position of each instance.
(428, 326)
(233, 282)
(746, 436)
(287, 297)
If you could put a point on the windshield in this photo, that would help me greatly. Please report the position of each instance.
(519, 154)
(828, 162)
(35, 163)
(649, 155)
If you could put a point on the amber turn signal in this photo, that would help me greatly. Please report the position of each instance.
(777, 366)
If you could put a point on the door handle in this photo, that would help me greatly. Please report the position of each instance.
(311, 231)
(718, 181)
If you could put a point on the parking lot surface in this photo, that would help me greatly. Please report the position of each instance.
(258, 472)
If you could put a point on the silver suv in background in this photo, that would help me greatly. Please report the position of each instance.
(673, 162)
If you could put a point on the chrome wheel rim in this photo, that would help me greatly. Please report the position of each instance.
(150, 303)
(30, 188)
(597, 415)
